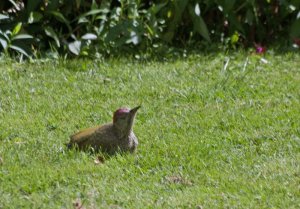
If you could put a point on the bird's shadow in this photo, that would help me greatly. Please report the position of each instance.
(100, 155)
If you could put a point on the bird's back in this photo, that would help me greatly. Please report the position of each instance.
(85, 133)
(96, 137)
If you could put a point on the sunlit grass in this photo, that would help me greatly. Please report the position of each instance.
(210, 136)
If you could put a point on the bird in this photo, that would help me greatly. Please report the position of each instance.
(110, 137)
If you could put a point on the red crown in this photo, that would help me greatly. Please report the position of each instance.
(119, 112)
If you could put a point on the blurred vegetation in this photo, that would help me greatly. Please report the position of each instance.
(103, 27)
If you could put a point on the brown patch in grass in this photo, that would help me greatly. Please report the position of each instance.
(99, 160)
(77, 204)
(178, 179)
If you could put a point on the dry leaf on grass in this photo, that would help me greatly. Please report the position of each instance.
(99, 160)
(179, 180)
(115, 207)
(77, 204)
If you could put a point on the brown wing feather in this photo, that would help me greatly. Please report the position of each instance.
(83, 134)
(82, 137)
(97, 137)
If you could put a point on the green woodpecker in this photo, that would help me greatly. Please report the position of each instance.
(111, 137)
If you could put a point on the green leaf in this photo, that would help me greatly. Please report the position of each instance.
(34, 17)
(168, 36)
(157, 7)
(228, 6)
(18, 49)
(295, 29)
(3, 17)
(117, 31)
(96, 11)
(101, 17)
(103, 12)
(5, 35)
(149, 29)
(74, 47)
(61, 18)
(51, 33)
(201, 28)
(17, 29)
(250, 16)
(175, 18)
(83, 20)
(89, 36)
(234, 38)
(3, 42)
(22, 36)
(15, 4)
(32, 5)
(53, 5)
(199, 24)
(78, 2)
(235, 24)
(197, 9)
(134, 38)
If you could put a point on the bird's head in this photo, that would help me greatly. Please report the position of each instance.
(123, 119)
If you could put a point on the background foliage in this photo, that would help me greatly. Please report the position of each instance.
(95, 27)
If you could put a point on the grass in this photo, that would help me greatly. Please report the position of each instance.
(210, 136)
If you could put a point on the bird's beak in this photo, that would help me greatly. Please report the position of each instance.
(134, 110)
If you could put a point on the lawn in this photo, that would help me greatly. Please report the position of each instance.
(215, 131)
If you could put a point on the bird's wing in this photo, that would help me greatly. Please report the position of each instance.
(82, 135)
